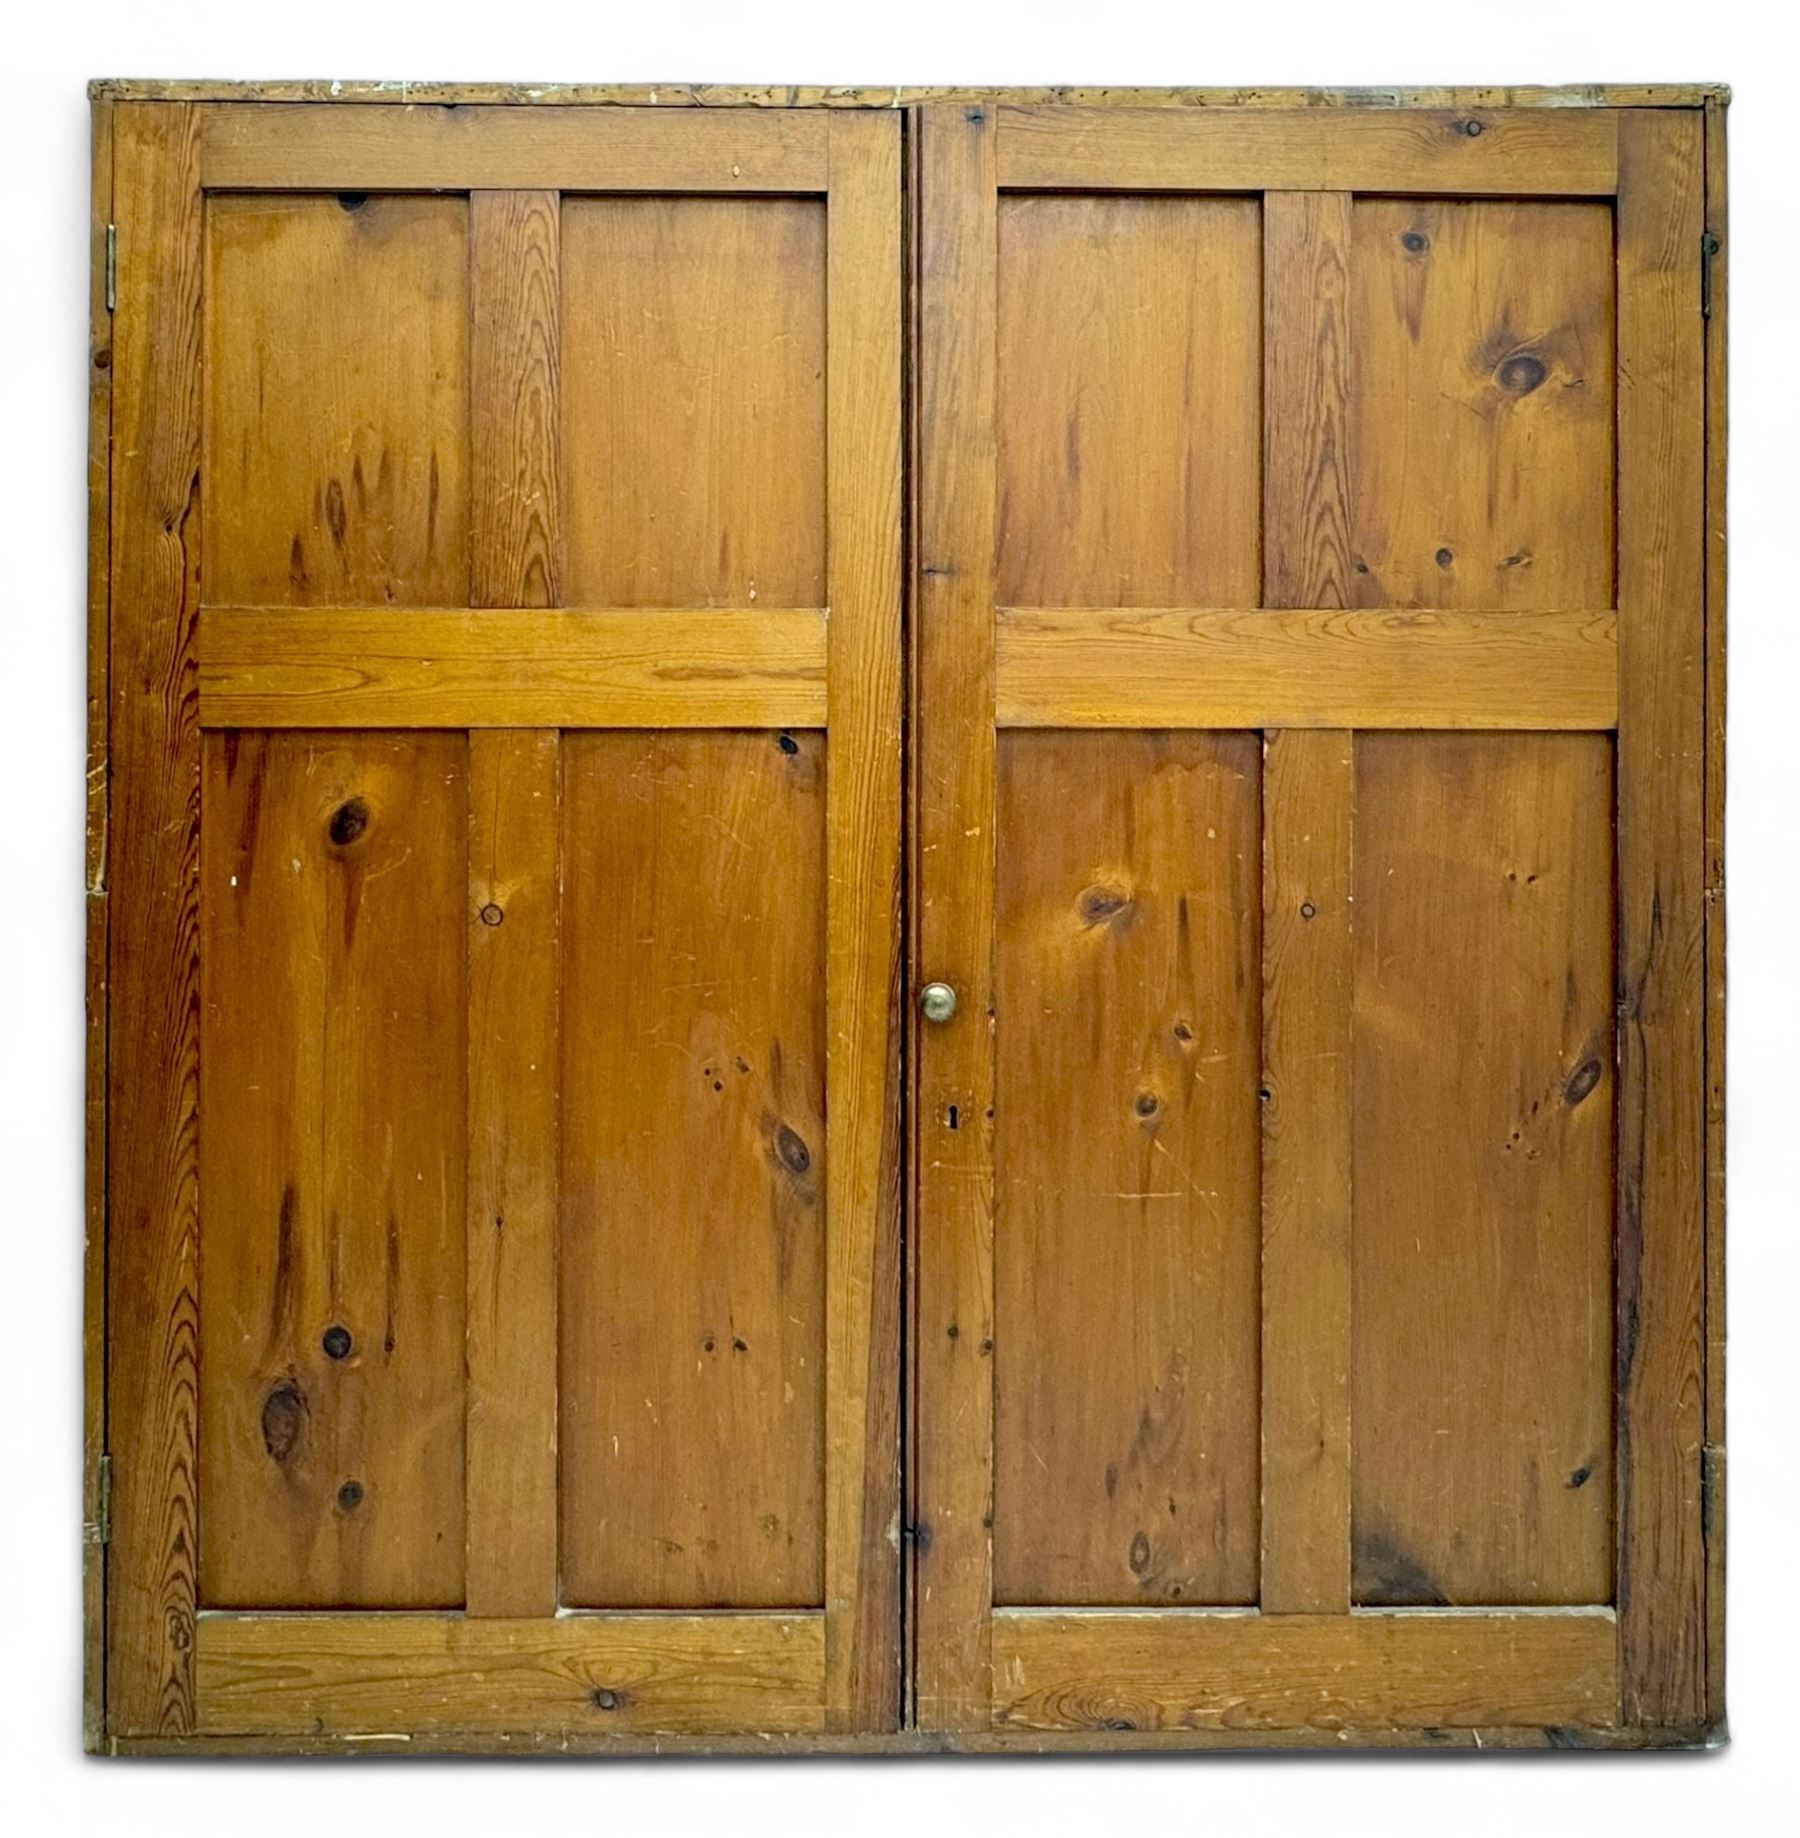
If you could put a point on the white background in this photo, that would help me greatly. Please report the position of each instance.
(51, 48)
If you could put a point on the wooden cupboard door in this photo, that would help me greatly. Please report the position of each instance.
(1309, 822)
(503, 1081)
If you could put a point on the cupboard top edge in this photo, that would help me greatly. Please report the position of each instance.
(707, 95)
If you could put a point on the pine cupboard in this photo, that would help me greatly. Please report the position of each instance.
(906, 919)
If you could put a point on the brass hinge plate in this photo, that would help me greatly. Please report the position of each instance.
(1709, 250)
(112, 266)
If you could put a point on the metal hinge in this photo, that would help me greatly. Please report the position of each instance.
(98, 1529)
(1709, 249)
(1712, 1475)
(112, 266)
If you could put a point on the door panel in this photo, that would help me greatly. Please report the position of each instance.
(332, 1170)
(692, 1256)
(1130, 400)
(694, 420)
(1125, 1243)
(1482, 1259)
(336, 446)
(1298, 465)
(1481, 421)
(532, 1323)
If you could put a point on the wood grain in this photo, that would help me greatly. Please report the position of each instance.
(515, 398)
(361, 1675)
(694, 401)
(1129, 421)
(332, 1170)
(297, 147)
(99, 714)
(1322, 1673)
(1714, 1515)
(153, 1033)
(1126, 1237)
(337, 396)
(1309, 799)
(1308, 667)
(1662, 966)
(693, 1168)
(1307, 547)
(1309, 794)
(862, 967)
(1481, 404)
(1481, 1255)
(440, 667)
(512, 917)
(953, 733)
(1463, 150)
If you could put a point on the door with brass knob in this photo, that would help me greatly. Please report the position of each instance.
(1310, 612)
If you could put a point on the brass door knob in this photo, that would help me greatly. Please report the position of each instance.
(937, 1001)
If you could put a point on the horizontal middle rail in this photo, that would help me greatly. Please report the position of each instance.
(1105, 667)
(342, 667)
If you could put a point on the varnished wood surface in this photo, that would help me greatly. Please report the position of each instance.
(1714, 1516)
(1308, 552)
(1308, 839)
(1311, 667)
(99, 714)
(1273, 149)
(1662, 952)
(1129, 420)
(953, 734)
(1481, 1256)
(1339, 325)
(1472, 1739)
(693, 1170)
(515, 398)
(694, 395)
(337, 396)
(863, 971)
(1126, 1169)
(1481, 404)
(443, 667)
(397, 148)
(1317, 1672)
(331, 1171)
(1308, 817)
(513, 919)
(152, 1147)
(353, 1675)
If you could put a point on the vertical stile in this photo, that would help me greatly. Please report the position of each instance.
(954, 733)
(514, 901)
(153, 1070)
(1662, 860)
(1308, 810)
(515, 397)
(1714, 1524)
(1308, 795)
(513, 1168)
(1307, 557)
(862, 1209)
(93, 1569)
